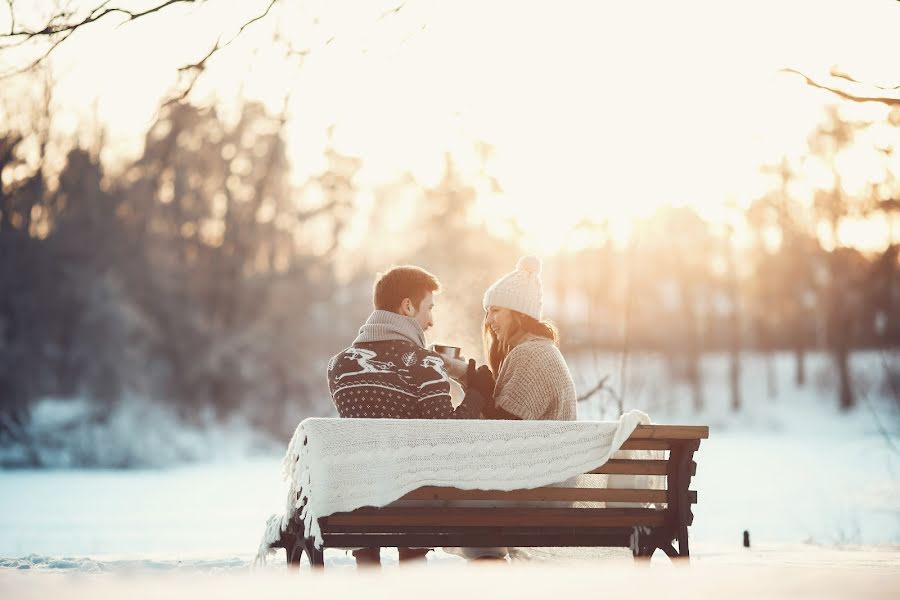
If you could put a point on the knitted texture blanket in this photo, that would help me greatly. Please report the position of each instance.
(339, 465)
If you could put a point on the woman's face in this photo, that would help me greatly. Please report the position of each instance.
(501, 322)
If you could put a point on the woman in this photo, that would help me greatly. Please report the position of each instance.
(532, 379)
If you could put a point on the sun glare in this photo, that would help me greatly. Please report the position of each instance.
(594, 111)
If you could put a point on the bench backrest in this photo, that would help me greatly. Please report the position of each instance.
(676, 444)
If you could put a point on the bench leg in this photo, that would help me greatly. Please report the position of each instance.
(644, 550)
(679, 504)
(669, 549)
(683, 550)
(316, 555)
(294, 548)
(648, 543)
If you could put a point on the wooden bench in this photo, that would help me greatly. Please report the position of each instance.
(642, 529)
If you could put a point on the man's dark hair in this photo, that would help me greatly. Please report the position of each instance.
(397, 283)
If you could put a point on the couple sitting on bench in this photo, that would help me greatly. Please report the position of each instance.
(388, 371)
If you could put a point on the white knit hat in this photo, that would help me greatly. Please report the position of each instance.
(520, 290)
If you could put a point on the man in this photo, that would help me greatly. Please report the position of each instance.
(389, 373)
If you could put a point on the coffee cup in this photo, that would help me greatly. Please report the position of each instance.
(448, 351)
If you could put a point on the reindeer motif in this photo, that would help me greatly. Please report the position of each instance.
(433, 362)
(364, 358)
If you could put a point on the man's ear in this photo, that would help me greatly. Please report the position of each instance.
(406, 307)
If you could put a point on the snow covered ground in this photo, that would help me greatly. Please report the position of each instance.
(790, 467)
(71, 433)
(818, 490)
(789, 573)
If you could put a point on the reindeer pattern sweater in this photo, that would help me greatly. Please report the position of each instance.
(387, 373)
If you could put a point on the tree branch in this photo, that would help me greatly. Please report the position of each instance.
(885, 434)
(52, 28)
(195, 69)
(600, 385)
(890, 101)
(198, 67)
(253, 20)
(391, 11)
(37, 62)
(841, 75)
(12, 16)
(58, 32)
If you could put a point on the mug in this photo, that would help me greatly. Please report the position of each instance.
(448, 351)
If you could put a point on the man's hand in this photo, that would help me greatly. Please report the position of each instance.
(455, 367)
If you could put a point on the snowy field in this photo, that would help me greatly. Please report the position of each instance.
(570, 580)
(462, 581)
(790, 468)
(818, 490)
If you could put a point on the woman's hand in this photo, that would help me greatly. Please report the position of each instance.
(480, 379)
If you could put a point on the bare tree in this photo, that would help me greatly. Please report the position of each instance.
(792, 270)
(63, 22)
(832, 205)
(676, 252)
(886, 195)
(868, 93)
(732, 286)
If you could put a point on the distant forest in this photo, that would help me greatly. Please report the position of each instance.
(198, 276)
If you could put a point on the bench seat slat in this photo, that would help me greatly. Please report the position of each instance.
(432, 537)
(646, 444)
(552, 494)
(670, 432)
(619, 466)
(499, 517)
(329, 528)
(549, 494)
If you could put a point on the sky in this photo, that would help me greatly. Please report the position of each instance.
(601, 111)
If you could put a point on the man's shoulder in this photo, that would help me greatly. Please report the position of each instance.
(405, 350)
(414, 355)
(396, 347)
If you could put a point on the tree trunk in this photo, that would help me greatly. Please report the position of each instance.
(839, 325)
(800, 365)
(735, 367)
(842, 357)
(692, 352)
(771, 382)
(735, 342)
(696, 383)
(735, 378)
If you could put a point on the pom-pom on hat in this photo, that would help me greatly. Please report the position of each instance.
(519, 290)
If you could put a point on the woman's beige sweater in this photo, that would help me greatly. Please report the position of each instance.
(534, 382)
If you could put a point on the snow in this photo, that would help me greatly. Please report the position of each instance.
(73, 433)
(817, 489)
(807, 573)
(789, 468)
(202, 510)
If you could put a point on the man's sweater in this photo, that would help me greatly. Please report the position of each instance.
(388, 373)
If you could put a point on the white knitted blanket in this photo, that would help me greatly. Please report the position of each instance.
(338, 465)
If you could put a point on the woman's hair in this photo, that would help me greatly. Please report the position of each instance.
(495, 352)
